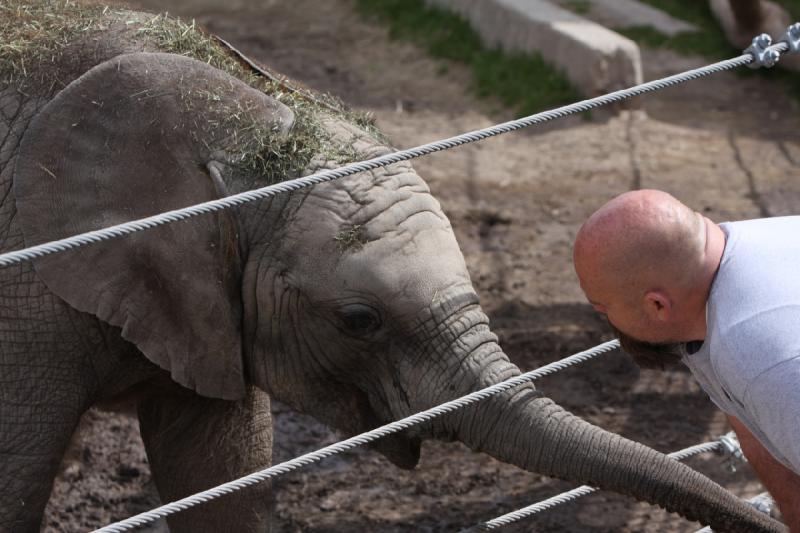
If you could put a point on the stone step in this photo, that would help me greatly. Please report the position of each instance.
(630, 13)
(595, 59)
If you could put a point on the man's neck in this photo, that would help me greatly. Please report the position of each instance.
(712, 257)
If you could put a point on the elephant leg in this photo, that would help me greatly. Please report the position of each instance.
(39, 411)
(194, 443)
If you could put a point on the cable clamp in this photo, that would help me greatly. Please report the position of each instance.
(763, 503)
(792, 38)
(732, 451)
(763, 55)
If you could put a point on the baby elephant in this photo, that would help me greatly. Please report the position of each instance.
(349, 301)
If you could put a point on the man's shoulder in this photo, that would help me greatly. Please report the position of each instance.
(756, 343)
(754, 302)
(760, 243)
(769, 226)
(754, 307)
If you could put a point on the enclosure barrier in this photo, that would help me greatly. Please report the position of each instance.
(762, 53)
(353, 442)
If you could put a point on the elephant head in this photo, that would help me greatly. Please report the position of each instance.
(349, 301)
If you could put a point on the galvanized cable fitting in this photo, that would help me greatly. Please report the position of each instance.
(792, 38)
(764, 503)
(764, 54)
(731, 450)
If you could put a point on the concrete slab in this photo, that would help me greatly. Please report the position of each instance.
(629, 13)
(772, 169)
(595, 59)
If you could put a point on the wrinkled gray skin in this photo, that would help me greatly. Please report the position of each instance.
(198, 321)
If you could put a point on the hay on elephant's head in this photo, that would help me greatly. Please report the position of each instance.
(35, 33)
(351, 238)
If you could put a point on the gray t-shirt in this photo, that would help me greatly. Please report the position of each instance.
(749, 363)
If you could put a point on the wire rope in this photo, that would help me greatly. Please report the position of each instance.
(353, 442)
(212, 206)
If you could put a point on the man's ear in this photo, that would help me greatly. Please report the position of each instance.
(658, 306)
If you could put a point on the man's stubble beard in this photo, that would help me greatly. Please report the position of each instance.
(650, 354)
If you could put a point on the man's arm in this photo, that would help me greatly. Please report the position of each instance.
(783, 484)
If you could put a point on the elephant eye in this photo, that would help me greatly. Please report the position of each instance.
(360, 319)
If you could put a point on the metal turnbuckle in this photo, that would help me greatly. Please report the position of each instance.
(732, 451)
(764, 503)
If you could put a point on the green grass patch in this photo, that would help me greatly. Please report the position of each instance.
(707, 43)
(695, 11)
(521, 81)
(792, 6)
(581, 7)
(699, 13)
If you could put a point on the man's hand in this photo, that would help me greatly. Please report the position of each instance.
(782, 483)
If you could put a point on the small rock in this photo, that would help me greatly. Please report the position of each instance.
(328, 504)
(72, 472)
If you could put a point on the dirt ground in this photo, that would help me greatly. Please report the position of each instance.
(728, 145)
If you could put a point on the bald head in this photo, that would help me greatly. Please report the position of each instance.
(647, 261)
(640, 238)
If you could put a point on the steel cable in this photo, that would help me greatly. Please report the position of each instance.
(353, 442)
(60, 245)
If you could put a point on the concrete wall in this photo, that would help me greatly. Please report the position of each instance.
(595, 59)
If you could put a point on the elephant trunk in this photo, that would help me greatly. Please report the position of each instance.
(524, 428)
(534, 433)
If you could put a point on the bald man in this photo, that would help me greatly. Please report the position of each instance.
(724, 300)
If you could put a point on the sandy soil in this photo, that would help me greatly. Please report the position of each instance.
(728, 145)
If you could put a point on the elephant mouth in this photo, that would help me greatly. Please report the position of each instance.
(401, 449)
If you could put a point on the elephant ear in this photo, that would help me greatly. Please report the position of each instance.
(128, 139)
